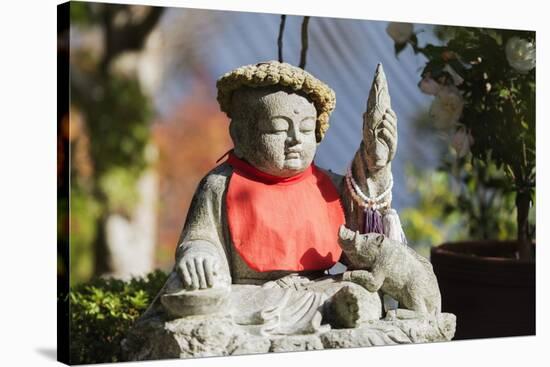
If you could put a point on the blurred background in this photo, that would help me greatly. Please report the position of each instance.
(144, 127)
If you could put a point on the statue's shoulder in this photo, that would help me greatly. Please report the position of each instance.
(334, 177)
(216, 180)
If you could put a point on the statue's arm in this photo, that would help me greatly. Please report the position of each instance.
(202, 255)
(338, 182)
(371, 165)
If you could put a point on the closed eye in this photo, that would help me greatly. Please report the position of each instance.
(308, 124)
(279, 124)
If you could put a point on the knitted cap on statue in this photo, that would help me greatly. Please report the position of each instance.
(272, 73)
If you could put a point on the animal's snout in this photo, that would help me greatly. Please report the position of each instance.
(346, 237)
(345, 233)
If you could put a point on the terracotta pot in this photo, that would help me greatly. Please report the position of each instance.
(491, 292)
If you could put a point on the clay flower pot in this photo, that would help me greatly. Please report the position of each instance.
(490, 291)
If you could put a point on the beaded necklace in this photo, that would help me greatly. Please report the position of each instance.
(371, 206)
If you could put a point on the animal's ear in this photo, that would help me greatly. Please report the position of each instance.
(375, 239)
(379, 239)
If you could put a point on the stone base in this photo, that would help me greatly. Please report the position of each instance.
(201, 336)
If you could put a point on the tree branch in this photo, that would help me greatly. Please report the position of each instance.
(130, 37)
(280, 38)
(303, 54)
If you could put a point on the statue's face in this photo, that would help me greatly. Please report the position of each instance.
(281, 138)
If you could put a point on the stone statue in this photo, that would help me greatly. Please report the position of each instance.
(416, 287)
(264, 227)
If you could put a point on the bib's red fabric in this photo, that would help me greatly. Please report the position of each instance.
(283, 223)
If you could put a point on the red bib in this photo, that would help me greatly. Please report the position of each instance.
(283, 223)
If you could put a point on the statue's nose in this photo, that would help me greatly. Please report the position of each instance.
(294, 134)
(294, 137)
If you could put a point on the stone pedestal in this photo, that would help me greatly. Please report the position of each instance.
(209, 336)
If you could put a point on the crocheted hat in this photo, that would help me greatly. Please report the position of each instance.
(272, 73)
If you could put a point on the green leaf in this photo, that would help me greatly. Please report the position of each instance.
(102, 310)
(398, 47)
(504, 93)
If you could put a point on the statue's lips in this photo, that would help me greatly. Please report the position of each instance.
(293, 155)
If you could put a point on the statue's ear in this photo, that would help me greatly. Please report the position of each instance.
(232, 131)
(236, 135)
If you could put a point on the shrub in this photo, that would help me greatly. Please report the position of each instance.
(483, 81)
(102, 311)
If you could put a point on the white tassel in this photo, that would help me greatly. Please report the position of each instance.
(392, 226)
(394, 231)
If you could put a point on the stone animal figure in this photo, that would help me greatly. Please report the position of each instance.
(394, 268)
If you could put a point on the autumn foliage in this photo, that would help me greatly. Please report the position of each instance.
(189, 143)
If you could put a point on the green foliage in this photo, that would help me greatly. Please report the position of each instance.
(461, 199)
(114, 131)
(117, 116)
(102, 311)
(80, 13)
(434, 219)
(499, 113)
(484, 198)
(119, 186)
(499, 101)
(502, 117)
(85, 210)
(458, 201)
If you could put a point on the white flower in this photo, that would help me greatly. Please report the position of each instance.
(400, 32)
(461, 141)
(457, 79)
(429, 86)
(520, 54)
(447, 106)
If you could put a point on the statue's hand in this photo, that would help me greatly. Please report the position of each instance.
(388, 131)
(379, 123)
(198, 270)
(381, 138)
